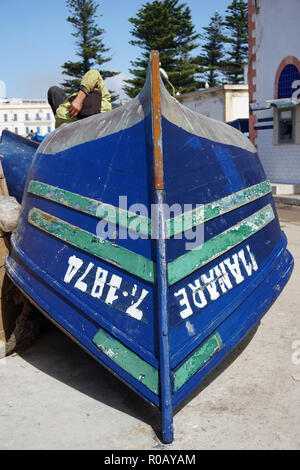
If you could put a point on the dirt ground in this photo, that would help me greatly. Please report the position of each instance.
(54, 396)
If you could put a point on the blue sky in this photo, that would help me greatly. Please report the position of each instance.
(36, 40)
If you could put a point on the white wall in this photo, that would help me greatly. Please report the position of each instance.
(27, 113)
(226, 103)
(277, 36)
(240, 107)
(211, 106)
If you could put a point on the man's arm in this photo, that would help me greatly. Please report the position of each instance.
(76, 105)
(92, 79)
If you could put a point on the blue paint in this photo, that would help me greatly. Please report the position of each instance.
(204, 321)
(233, 180)
(193, 175)
(17, 154)
(244, 318)
(163, 322)
(212, 228)
(196, 171)
(194, 143)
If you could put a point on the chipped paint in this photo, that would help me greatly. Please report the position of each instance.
(190, 328)
(202, 126)
(208, 251)
(98, 209)
(127, 360)
(121, 118)
(197, 361)
(207, 212)
(156, 122)
(138, 264)
(119, 256)
(142, 224)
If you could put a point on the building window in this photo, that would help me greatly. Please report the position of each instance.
(48, 117)
(15, 117)
(286, 126)
(38, 129)
(5, 118)
(49, 129)
(16, 130)
(37, 117)
(27, 130)
(288, 77)
(26, 117)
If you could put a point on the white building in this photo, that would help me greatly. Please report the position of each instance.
(274, 86)
(224, 103)
(21, 116)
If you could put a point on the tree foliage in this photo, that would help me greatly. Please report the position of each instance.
(236, 24)
(213, 50)
(89, 41)
(166, 26)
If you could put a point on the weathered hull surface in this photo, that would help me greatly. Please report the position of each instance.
(16, 154)
(158, 314)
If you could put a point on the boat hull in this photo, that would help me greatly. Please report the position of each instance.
(16, 157)
(71, 314)
(150, 236)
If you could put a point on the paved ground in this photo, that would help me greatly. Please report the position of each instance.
(54, 396)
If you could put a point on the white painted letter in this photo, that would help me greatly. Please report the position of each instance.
(133, 311)
(99, 283)
(235, 268)
(114, 284)
(74, 265)
(82, 285)
(184, 302)
(223, 278)
(197, 290)
(210, 284)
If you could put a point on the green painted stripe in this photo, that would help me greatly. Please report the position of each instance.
(141, 224)
(203, 254)
(101, 210)
(197, 361)
(129, 261)
(127, 360)
(202, 214)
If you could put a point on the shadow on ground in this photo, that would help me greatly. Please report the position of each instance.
(58, 356)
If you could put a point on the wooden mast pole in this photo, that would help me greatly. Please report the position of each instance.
(162, 279)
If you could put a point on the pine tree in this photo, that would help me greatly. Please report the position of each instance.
(166, 26)
(212, 58)
(236, 23)
(91, 49)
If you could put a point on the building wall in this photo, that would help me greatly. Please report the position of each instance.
(210, 104)
(226, 103)
(236, 102)
(22, 116)
(277, 25)
(279, 167)
(273, 43)
(240, 107)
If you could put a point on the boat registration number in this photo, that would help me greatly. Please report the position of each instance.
(109, 288)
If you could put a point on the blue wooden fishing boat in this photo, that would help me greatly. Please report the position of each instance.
(158, 298)
(16, 154)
